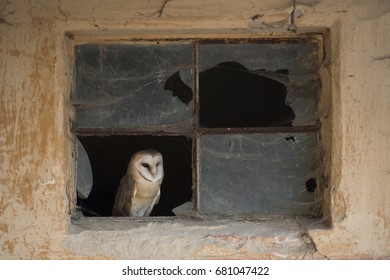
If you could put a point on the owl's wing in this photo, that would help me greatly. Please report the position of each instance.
(150, 208)
(124, 196)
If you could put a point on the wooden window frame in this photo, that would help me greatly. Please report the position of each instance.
(197, 131)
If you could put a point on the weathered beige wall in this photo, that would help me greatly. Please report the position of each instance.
(35, 146)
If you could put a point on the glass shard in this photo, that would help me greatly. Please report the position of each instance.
(84, 179)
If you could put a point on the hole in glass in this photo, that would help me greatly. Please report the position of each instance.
(230, 95)
(311, 185)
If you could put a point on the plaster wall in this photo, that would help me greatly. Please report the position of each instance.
(36, 174)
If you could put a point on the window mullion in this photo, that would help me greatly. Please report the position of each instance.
(196, 134)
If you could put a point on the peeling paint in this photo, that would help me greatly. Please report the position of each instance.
(44, 182)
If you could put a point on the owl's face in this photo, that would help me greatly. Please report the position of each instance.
(148, 165)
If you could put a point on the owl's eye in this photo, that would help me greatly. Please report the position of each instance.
(145, 165)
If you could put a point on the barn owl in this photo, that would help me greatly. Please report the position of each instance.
(139, 189)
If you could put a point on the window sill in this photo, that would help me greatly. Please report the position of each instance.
(178, 238)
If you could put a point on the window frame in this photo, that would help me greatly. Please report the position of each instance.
(196, 130)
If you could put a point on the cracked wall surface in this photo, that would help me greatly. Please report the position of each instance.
(36, 174)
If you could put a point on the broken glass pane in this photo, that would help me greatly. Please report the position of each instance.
(122, 86)
(296, 65)
(258, 173)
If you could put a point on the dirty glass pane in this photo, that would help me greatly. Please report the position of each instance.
(260, 174)
(295, 63)
(123, 86)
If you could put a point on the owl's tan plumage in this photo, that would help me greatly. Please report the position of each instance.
(139, 189)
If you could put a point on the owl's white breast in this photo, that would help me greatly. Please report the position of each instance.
(147, 189)
(146, 196)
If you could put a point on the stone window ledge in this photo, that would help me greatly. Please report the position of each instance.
(176, 238)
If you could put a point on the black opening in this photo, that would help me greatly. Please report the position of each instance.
(109, 157)
(231, 95)
(311, 185)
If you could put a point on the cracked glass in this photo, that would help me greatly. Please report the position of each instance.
(122, 86)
